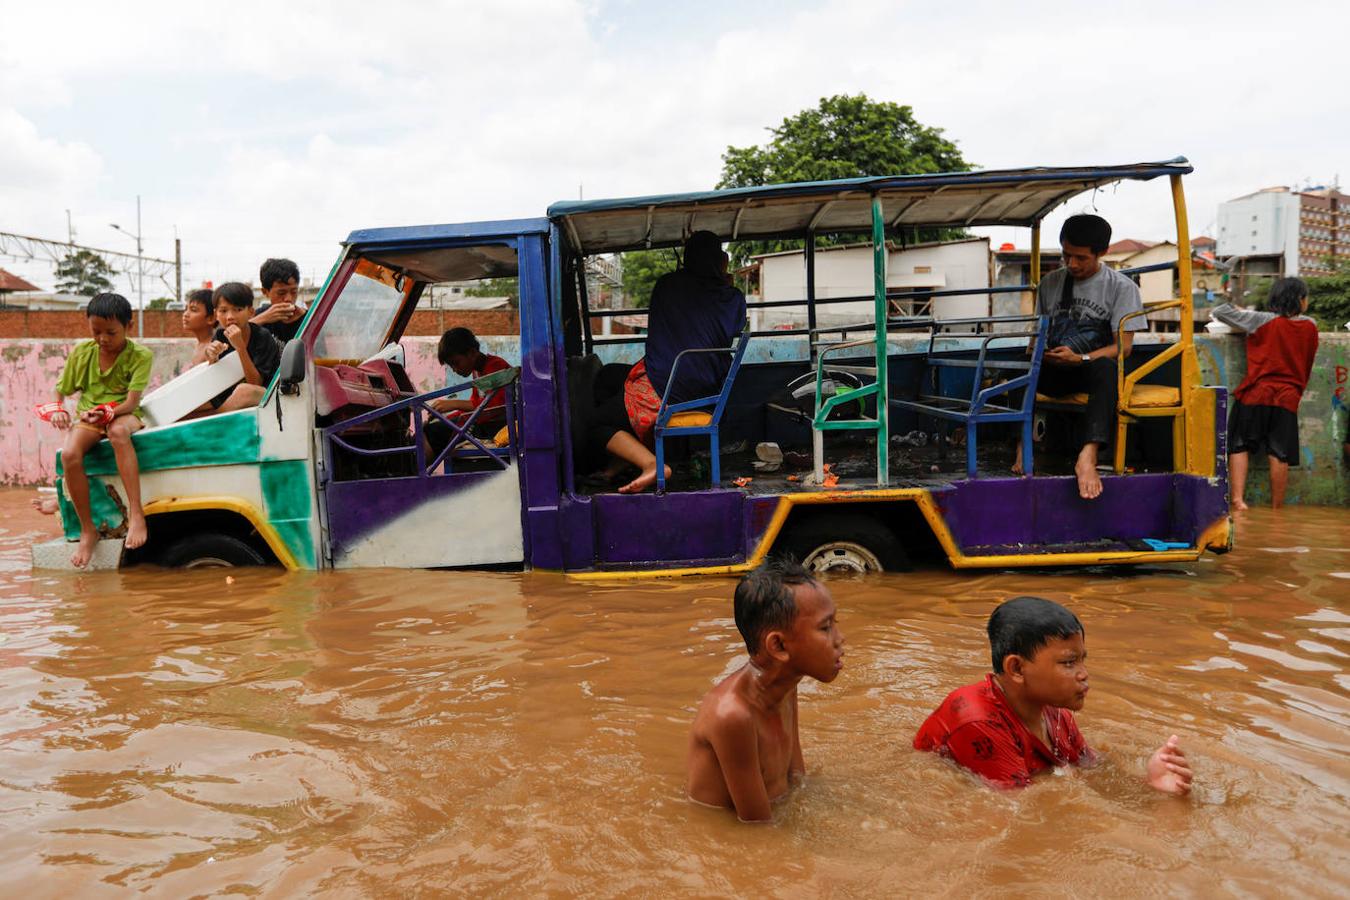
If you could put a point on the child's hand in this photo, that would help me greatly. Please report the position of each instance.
(213, 350)
(235, 335)
(1168, 770)
(54, 412)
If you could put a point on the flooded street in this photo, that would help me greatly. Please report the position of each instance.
(386, 732)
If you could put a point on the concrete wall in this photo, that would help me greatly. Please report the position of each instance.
(1322, 477)
(29, 369)
(159, 323)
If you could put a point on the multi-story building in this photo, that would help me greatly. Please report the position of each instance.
(1323, 231)
(1308, 230)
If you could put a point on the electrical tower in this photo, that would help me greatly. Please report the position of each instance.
(24, 248)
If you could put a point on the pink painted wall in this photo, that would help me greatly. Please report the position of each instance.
(29, 369)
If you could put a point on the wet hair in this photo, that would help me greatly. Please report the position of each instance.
(1086, 230)
(204, 298)
(454, 342)
(1024, 625)
(703, 254)
(765, 600)
(274, 270)
(109, 306)
(235, 293)
(1286, 296)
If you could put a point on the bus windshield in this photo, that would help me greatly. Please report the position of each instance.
(362, 315)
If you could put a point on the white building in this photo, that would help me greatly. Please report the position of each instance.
(1266, 223)
(847, 272)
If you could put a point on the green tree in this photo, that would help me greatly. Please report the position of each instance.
(83, 272)
(641, 268)
(159, 303)
(497, 287)
(1329, 298)
(843, 137)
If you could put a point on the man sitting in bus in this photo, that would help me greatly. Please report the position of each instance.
(1085, 301)
(693, 308)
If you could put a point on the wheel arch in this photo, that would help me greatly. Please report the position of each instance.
(907, 516)
(169, 520)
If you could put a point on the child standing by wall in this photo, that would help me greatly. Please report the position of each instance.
(1281, 345)
(109, 373)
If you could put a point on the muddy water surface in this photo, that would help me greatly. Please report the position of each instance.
(383, 732)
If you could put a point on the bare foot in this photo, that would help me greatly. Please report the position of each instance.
(85, 552)
(643, 481)
(46, 505)
(136, 533)
(1239, 506)
(1089, 482)
(1017, 460)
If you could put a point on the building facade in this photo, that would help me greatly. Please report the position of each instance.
(1309, 230)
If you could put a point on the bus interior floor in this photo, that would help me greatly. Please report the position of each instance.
(853, 463)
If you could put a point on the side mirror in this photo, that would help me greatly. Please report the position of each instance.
(292, 367)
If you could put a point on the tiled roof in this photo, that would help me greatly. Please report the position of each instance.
(12, 282)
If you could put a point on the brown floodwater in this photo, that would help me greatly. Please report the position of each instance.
(384, 733)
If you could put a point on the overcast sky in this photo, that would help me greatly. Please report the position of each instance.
(260, 129)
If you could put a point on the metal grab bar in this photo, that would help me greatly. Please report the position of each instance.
(459, 433)
(1125, 383)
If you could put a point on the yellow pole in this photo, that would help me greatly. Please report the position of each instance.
(1035, 254)
(1035, 278)
(1183, 261)
(1190, 368)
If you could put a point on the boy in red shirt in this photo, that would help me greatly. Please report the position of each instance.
(1281, 345)
(459, 349)
(1017, 722)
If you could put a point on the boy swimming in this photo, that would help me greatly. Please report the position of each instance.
(1017, 722)
(745, 746)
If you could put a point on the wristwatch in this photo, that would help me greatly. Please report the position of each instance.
(1085, 358)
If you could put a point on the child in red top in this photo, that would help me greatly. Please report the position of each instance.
(1017, 722)
(1281, 344)
(459, 349)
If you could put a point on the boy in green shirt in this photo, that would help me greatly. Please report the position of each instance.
(110, 373)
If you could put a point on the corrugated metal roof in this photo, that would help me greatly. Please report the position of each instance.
(951, 199)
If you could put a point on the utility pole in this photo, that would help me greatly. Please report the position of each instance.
(140, 270)
(178, 269)
(140, 275)
(70, 228)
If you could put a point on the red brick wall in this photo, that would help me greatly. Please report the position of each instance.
(19, 323)
(479, 321)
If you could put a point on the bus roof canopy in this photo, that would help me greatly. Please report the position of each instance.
(950, 199)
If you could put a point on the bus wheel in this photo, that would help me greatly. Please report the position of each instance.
(845, 543)
(210, 551)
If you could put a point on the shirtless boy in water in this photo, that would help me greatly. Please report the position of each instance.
(745, 748)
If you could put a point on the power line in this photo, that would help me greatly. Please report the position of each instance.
(33, 249)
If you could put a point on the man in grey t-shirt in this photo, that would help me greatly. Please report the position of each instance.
(1099, 293)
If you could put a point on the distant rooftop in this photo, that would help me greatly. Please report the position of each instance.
(11, 282)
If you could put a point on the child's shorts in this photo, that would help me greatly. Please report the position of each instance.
(1272, 430)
